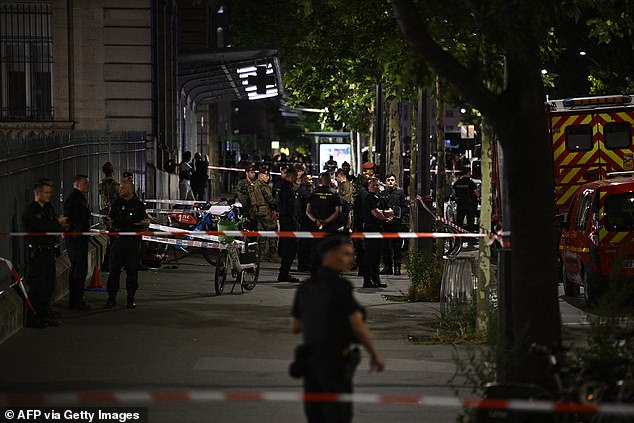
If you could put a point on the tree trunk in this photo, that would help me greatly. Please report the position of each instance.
(530, 216)
(484, 280)
(393, 150)
(413, 165)
(440, 152)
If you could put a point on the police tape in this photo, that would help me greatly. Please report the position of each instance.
(252, 234)
(176, 242)
(205, 395)
(234, 169)
(17, 281)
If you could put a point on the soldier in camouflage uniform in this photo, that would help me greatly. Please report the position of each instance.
(263, 207)
(245, 193)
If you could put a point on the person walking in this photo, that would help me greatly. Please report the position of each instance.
(40, 216)
(185, 171)
(264, 205)
(375, 215)
(395, 199)
(466, 194)
(330, 320)
(126, 215)
(287, 209)
(78, 214)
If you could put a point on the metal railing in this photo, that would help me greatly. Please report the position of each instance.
(60, 156)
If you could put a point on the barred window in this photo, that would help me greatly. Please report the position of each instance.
(26, 60)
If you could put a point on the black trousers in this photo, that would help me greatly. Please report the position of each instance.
(304, 248)
(469, 212)
(324, 374)
(372, 254)
(40, 275)
(77, 247)
(287, 247)
(392, 247)
(125, 253)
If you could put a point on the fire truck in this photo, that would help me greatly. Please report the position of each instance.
(591, 140)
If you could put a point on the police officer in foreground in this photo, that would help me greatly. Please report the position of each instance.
(466, 193)
(375, 215)
(393, 247)
(330, 319)
(77, 213)
(40, 216)
(127, 214)
(287, 209)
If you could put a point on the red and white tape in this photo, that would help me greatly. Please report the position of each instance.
(252, 234)
(203, 395)
(235, 169)
(17, 280)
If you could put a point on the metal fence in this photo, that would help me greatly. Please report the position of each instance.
(60, 156)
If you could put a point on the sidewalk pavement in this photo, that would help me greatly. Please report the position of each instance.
(183, 336)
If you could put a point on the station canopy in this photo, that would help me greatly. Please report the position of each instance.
(230, 74)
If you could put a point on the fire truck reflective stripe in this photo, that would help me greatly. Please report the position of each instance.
(570, 191)
(575, 174)
(576, 249)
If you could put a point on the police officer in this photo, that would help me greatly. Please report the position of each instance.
(245, 192)
(357, 222)
(126, 215)
(304, 245)
(330, 320)
(324, 206)
(287, 209)
(375, 215)
(466, 193)
(263, 206)
(77, 212)
(393, 247)
(40, 216)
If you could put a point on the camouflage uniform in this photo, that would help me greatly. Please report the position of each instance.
(262, 206)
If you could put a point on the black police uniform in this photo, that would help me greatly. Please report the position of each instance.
(305, 224)
(393, 247)
(77, 212)
(126, 250)
(324, 304)
(41, 271)
(324, 202)
(372, 258)
(287, 208)
(466, 202)
(357, 226)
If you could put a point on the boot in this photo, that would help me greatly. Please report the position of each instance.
(376, 280)
(386, 271)
(367, 282)
(110, 303)
(397, 270)
(131, 303)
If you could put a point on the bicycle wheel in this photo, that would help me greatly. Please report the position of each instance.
(221, 273)
(248, 278)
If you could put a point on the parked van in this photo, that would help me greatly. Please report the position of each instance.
(598, 237)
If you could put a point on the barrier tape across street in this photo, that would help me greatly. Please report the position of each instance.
(203, 395)
(252, 234)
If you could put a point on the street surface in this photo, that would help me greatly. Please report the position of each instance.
(182, 336)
